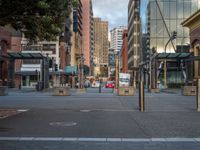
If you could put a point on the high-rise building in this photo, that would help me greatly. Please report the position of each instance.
(134, 38)
(158, 30)
(116, 38)
(87, 30)
(100, 41)
(77, 34)
(161, 19)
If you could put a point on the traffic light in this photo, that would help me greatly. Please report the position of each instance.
(174, 34)
(56, 67)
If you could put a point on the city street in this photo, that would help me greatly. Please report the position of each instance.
(95, 120)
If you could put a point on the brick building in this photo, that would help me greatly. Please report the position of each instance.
(124, 52)
(5, 42)
(193, 23)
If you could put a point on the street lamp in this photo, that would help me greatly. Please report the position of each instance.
(116, 70)
(173, 36)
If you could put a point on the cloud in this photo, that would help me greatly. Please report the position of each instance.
(113, 11)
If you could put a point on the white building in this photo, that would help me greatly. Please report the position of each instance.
(31, 68)
(116, 38)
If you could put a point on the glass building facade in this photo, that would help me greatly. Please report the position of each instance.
(153, 28)
(174, 13)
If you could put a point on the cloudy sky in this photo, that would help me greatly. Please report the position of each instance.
(113, 11)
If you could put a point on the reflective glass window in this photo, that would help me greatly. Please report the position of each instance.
(153, 28)
(180, 8)
(166, 11)
(153, 10)
(158, 12)
(160, 27)
(173, 14)
(194, 6)
(173, 26)
(168, 27)
(187, 8)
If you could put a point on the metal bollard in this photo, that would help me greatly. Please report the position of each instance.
(100, 88)
(141, 97)
(198, 95)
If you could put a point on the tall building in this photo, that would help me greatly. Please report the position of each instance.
(87, 30)
(100, 41)
(158, 22)
(101, 46)
(116, 38)
(77, 34)
(134, 38)
(174, 12)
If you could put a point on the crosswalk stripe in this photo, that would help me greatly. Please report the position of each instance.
(81, 139)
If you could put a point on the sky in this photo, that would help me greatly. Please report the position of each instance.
(113, 11)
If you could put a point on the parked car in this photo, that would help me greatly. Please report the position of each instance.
(95, 84)
(110, 84)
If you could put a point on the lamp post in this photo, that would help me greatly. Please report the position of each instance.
(116, 70)
(173, 36)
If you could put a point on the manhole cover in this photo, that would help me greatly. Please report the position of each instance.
(85, 111)
(63, 124)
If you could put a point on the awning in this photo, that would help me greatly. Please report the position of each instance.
(173, 55)
(21, 55)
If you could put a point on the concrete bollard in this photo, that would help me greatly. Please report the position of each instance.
(3, 90)
(198, 95)
(141, 97)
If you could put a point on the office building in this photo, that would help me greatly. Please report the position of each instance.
(87, 31)
(100, 45)
(174, 13)
(134, 39)
(116, 40)
(161, 19)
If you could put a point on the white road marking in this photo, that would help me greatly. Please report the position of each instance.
(76, 139)
(22, 110)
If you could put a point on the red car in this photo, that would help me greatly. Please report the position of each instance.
(110, 84)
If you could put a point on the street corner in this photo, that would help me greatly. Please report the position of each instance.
(5, 113)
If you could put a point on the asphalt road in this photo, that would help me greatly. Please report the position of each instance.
(93, 115)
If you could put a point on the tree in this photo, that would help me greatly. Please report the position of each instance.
(38, 19)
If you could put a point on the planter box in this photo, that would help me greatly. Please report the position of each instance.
(154, 90)
(81, 90)
(3, 90)
(126, 91)
(189, 90)
(61, 91)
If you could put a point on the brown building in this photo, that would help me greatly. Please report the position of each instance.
(16, 47)
(77, 34)
(193, 23)
(5, 42)
(87, 30)
(100, 41)
(124, 52)
(100, 46)
(10, 42)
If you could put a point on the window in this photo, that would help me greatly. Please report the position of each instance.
(49, 47)
(31, 61)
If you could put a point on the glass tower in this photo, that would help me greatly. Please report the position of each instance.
(174, 13)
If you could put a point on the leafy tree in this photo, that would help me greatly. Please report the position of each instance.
(38, 19)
